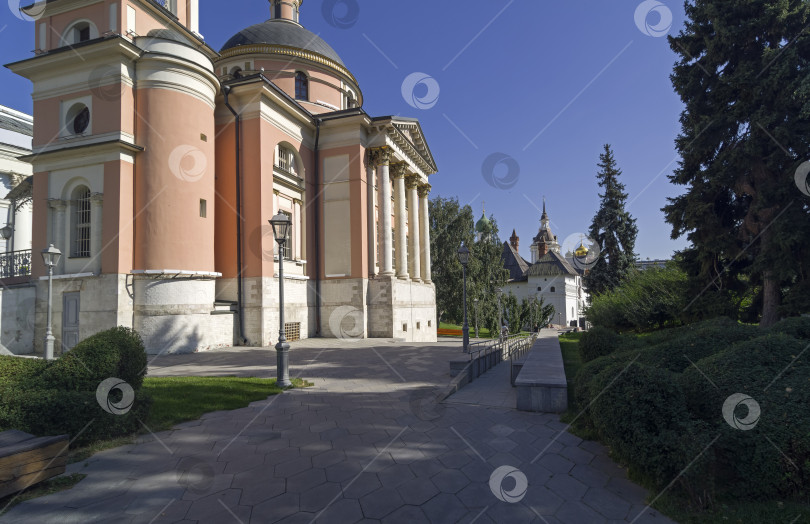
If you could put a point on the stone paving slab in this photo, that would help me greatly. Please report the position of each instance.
(367, 443)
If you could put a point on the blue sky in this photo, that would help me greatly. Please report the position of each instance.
(542, 83)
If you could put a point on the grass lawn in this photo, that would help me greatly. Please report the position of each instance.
(180, 399)
(674, 507)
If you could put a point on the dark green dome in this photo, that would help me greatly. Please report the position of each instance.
(483, 225)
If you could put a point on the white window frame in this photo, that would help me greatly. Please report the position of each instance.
(65, 131)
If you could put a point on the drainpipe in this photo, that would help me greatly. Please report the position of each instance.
(239, 244)
(318, 235)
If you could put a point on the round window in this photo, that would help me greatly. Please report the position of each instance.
(81, 121)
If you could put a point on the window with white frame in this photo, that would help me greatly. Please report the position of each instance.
(285, 160)
(81, 31)
(287, 247)
(80, 222)
(76, 117)
(301, 86)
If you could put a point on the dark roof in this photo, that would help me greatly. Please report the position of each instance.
(544, 236)
(16, 125)
(550, 265)
(513, 262)
(282, 32)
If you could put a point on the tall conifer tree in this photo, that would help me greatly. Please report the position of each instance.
(744, 77)
(613, 228)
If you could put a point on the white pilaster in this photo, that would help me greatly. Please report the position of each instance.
(371, 210)
(298, 252)
(58, 236)
(424, 224)
(96, 200)
(400, 217)
(383, 159)
(414, 256)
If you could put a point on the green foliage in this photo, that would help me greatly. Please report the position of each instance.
(598, 342)
(116, 352)
(613, 229)
(646, 300)
(59, 397)
(744, 132)
(697, 341)
(17, 369)
(745, 462)
(797, 327)
(450, 225)
(75, 413)
(659, 413)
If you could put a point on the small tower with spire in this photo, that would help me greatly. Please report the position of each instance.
(483, 228)
(514, 240)
(545, 240)
(285, 10)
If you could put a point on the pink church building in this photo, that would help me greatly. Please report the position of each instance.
(157, 162)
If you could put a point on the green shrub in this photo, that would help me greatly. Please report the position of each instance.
(583, 392)
(748, 463)
(646, 300)
(696, 341)
(17, 369)
(642, 417)
(797, 327)
(59, 397)
(75, 413)
(116, 352)
(598, 342)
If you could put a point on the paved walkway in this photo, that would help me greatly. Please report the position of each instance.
(366, 443)
(491, 389)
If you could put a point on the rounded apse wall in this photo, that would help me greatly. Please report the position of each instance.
(174, 175)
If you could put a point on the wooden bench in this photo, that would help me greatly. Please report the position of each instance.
(449, 332)
(541, 384)
(26, 459)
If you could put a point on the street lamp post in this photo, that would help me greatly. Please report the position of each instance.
(50, 257)
(464, 258)
(475, 300)
(281, 226)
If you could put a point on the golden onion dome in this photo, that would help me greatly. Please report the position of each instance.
(581, 251)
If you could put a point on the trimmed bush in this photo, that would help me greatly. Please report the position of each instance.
(59, 397)
(116, 352)
(75, 413)
(642, 417)
(797, 327)
(697, 341)
(16, 369)
(584, 379)
(746, 462)
(598, 342)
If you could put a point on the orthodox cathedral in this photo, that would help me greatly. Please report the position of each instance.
(552, 276)
(157, 162)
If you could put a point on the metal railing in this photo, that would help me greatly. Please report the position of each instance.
(15, 264)
(518, 352)
(487, 354)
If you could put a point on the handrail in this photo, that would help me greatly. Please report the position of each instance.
(15, 263)
(497, 350)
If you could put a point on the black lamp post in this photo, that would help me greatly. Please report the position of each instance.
(281, 226)
(50, 257)
(464, 258)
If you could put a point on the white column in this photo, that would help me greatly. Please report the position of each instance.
(400, 218)
(96, 200)
(371, 219)
(58, 236)
(414, 256)
(298, 253)
(424, 224)
(385, 210)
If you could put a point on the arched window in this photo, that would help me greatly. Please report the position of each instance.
(285, 160)
(236, 72)
(79, 32)
(80, 222)
(301, 86)
(553, 289)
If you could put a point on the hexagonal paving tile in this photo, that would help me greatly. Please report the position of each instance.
(306, 480)
(566, 486)
(450, 481)
(606, 503)
(417, 491)
(380, 503)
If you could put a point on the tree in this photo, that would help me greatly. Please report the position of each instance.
(743, 76)
(612, 228)
(536, 313)
(450, 224)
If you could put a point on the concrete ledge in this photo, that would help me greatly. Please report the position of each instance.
(541, 384)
